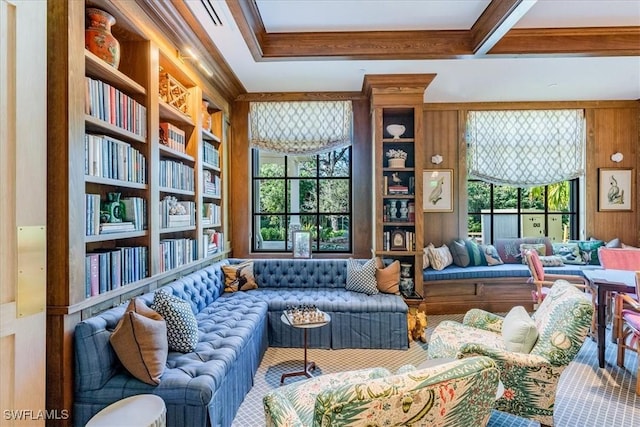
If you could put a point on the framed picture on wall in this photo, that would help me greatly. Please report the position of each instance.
(615, 189)
(437, 190)
(302, 244)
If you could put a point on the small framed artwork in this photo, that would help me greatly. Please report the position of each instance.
(437, 190)
(302, 244)
(398, 240)
(615, 189)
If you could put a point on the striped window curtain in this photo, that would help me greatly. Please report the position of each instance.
(525, 148)
(300, 127)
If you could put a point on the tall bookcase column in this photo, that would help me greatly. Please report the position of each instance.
(397, 179)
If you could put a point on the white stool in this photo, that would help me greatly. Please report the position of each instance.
(143, 410)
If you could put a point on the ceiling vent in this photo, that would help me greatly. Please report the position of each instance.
(215, 17)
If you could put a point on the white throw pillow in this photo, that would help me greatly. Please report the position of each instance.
(519, 330)
(440, 257)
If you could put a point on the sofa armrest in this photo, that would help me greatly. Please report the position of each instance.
(482, 319)
(503, 357)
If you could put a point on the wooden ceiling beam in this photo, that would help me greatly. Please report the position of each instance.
(496, 20)
(591, 41)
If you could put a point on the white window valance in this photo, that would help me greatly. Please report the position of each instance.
(300, 127)
(525, 148)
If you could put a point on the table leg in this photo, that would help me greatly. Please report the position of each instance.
(602, 324)
(308, 367)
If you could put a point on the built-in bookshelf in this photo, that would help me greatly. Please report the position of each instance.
(398, 162)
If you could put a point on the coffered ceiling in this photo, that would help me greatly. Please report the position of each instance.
(480, 50)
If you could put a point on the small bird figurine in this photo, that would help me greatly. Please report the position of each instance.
(395, 178)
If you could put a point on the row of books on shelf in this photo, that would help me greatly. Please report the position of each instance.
(177, 252)
(107, 270)
(211, 214)
(211, 155)
(130, 214)
(212, 242)
(397, 185)
(177, 213)
(176, 175)
(212, 184)
(107, 157)
(109, 104)
(398, 240)
(173, 137)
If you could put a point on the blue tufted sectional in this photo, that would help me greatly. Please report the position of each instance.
(207, 386)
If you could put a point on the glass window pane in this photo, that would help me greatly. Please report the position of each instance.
(533, 198)
(335, 163)
(505, 197)
(559, 196)
(301, 166)
(302, 195)
(334, 195)
(478, 196)
(475, 227)
(270, 195)
(272, 233)
(269, 165)
(334, 233)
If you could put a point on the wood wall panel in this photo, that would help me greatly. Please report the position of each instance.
(239, 181)
(611, 130)
(441, 137)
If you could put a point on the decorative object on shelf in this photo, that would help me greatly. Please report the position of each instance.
(406, 286)
(112, 209)
(397, 187)
(173, 92)
(437, 159)
(206, 117)
(405, 270)
(98, 38)
(393, 210)
(404, 210)
(398, 240)
(617, 157)
(396, 131)
(301, 244)
(615, 189)
(437, 190)
(397, 158)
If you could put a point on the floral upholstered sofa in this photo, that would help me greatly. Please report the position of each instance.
(556, 331)
(457, 393)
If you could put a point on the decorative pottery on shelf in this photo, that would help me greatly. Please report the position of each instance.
(206, 117)
(396, 163)
(396, 131)
(98, 38)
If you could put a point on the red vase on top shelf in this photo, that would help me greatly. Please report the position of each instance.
(98, 38)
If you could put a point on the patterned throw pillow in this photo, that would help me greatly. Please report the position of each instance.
(541, 248)
(362, 277)
(589, 250)
(551, 261)
(439, 257)
(140, 342)
(182, 327)
(425, 258)
(490, 255)
(239, 277)
(569, 252)
(388, 278)
(475, 254)
(459, 253)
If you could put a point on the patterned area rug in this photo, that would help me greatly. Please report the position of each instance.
(587, 395)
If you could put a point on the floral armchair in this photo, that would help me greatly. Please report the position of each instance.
(530, 379)
(457, 393)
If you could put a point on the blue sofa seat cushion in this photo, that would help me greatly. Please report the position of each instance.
(331, 300)
(491, 272)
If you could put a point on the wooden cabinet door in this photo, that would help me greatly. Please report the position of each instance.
(23, 150)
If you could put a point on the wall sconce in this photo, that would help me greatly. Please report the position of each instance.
(437, 159)
(617, 157)
(191, 56)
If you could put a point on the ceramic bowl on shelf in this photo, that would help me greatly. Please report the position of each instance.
(396, 130)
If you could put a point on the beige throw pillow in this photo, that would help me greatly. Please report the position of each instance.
(140, 342)
(439, 258)
(519, 330)
(388, 278)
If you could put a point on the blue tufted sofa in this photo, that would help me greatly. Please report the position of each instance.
(207, 386)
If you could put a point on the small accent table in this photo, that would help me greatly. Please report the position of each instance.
(142, 410)
(603, 282)
(308, 366)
